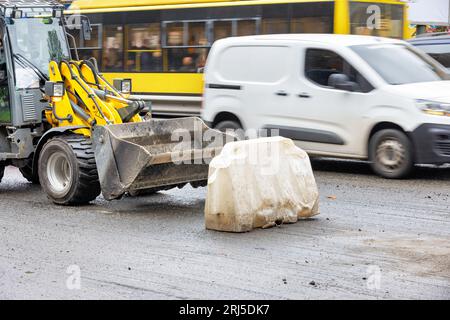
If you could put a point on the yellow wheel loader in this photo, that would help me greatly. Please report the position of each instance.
(64, 126)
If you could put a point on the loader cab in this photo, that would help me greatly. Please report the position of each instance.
(68, 150)
(31, 35)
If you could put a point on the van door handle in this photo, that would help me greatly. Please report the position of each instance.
(304, 95)
(282, 93)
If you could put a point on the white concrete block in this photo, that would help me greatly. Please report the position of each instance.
(259, 183)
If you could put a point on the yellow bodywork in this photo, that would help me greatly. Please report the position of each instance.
(131, 155)
(81, 88)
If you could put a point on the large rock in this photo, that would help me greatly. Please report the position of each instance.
(260, 183)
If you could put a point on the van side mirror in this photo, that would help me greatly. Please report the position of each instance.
(341, 81)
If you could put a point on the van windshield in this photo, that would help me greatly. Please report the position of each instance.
(399, 64)
(440, 52)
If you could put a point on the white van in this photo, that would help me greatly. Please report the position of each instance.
(342, 96)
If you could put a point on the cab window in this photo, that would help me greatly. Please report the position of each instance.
(321, 64)
(5, 114)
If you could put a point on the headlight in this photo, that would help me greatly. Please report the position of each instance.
(54, 89)
(126, 86)
(123, 85)
(58, 89)
(434, 108)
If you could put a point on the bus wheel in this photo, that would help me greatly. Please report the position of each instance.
(391, 154)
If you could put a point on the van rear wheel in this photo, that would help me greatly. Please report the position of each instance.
(391, 154)
(68, 172)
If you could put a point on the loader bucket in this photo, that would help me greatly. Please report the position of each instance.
(154, 155)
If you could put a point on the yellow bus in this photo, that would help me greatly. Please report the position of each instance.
(162, 45)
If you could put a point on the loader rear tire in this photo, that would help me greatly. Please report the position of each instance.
(67, 170)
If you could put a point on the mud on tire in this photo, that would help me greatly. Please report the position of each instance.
(67, 170)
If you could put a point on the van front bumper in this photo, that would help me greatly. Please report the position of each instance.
(432, 143)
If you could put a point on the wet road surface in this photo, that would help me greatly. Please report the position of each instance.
(374, 239)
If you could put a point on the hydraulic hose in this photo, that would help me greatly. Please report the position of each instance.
(89, 92)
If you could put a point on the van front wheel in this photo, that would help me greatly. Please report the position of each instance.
(227, 125)
(391, 154)
(231, 127)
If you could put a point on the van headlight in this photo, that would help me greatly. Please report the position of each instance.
(434, 108)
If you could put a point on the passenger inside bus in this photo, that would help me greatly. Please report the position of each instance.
(188, 65)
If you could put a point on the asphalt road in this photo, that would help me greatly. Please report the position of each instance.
(374, 239)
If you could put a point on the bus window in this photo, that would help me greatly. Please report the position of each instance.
(197, 34)
(310, 25)
(90, 48)
(175, 34)
(186, 46)
(144, 47)
(190, 60)
(275, 19)
(76, 33)
(273, 26)
(95, 41)
(113, 48)
(246, 27)
(86, 54)
(390, 23)
(222, 29)
(312, 18)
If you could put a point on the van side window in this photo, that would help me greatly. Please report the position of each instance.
(254, 64)
(321, 64)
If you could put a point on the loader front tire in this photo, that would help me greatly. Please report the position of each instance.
(67, 170)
